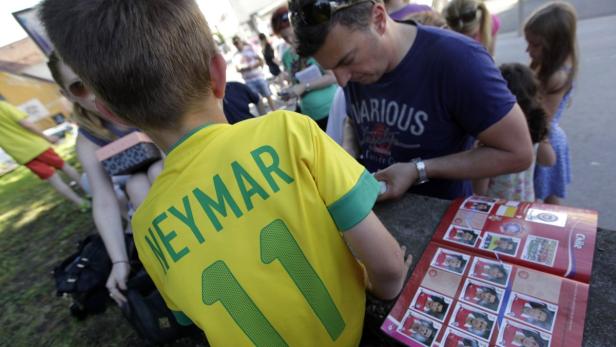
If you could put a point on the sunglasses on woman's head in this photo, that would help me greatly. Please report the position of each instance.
(78, 89)
(464, 17)
(321, 11)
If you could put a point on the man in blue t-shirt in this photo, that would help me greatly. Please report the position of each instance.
(237, 100)
(418, 97)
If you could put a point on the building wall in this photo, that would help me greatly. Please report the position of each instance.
(19, 90)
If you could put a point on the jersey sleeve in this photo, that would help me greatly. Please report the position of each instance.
(346, 187)
(476, 94)
(12, 112)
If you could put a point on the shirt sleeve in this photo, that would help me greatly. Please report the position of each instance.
(475, 93)
(346, 187)
(13, 112)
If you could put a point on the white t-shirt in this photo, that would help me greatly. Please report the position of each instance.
(337, 115)
(248, 57)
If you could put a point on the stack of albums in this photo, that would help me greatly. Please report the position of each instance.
(500, 273)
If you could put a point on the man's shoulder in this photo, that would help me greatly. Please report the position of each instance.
(445, 40)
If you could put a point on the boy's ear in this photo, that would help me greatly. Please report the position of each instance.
(218, 74)
(106, 113)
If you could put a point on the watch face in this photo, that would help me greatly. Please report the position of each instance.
(421, 170)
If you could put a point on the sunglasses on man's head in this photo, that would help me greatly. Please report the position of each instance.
(78, 89)
(321, 11)
(464, 17)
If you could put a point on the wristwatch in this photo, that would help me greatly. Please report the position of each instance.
(421, 170)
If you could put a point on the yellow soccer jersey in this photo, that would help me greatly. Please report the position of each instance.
(241, 233)
(17, 141)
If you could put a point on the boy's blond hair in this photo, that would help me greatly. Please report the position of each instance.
(148, 60)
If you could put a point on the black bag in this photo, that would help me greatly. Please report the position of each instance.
(148, 314)
(82, 277)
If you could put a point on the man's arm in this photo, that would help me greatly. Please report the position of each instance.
(30, 127)
(380, 253)
(507, 148)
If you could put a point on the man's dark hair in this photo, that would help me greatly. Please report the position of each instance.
(147, 59)
(311, 38)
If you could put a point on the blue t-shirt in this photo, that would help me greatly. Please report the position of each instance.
(444, 91)
(237, 100)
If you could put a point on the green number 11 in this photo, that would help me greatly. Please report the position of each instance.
(277, 243)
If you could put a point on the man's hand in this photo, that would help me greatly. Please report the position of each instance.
(399, 177)
(117, 281)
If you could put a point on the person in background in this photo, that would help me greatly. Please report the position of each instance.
(315, 97)
(337, 117)
(31, 148)
(237, 100)
(262, 232)
(552, 46)
(400, 10)
(107, 210)
(473, 19)
(269, 56)
(248, 63)
(411, 101)
(431, 18)
(520, 186)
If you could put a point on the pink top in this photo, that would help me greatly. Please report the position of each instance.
(121, 144)
(496, 24)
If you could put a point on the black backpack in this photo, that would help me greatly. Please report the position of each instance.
(82, 277)
(149, 316)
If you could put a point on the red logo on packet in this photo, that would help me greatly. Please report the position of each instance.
(432, 273)
(523, 274)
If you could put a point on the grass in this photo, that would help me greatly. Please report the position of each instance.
(38, 229)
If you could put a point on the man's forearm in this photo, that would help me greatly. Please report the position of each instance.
(479, 162)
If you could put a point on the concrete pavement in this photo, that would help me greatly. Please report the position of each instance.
(590, 121)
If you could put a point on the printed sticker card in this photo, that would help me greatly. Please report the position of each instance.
(482, 294)
(540, 250)
(532, 311)
(419, 328)
(498, 243)
(473, 321)
(478, 205)
(456, 338)
(463, 236)
(431, 303)
(514, 335)
(450, 261)
(558, 219)
(491, 271)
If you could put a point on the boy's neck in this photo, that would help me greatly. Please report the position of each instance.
(166, 138)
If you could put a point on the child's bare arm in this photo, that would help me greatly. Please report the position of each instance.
(30, 127)
(381, 254)
(545, 154)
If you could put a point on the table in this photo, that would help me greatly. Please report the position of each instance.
(413, 219)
